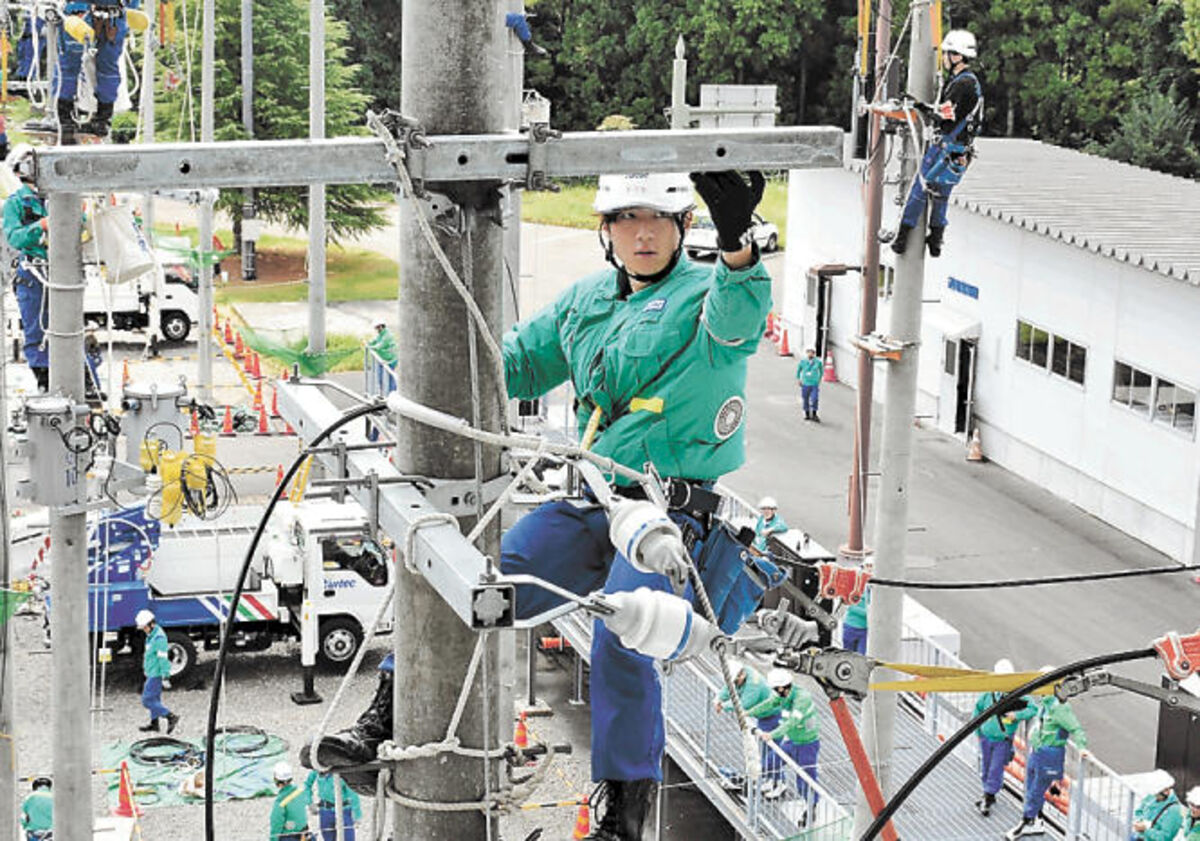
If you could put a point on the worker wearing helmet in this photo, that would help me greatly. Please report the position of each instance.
(798, 733)
(996, 739)
(752, 690)
(809, 372)
(1055, 724)
(289, 813)
(156, 666)
(1191, 823)
(319, 789)
(1159, 816)
(769, 522)
(854, 621)
(26, 229)
(37, 811)
(956, 119)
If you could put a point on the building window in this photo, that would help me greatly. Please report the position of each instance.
(951, 364)
(1061, 356)
(1161, 400)
(810, 291)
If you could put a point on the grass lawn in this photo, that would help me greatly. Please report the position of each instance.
(572, 207)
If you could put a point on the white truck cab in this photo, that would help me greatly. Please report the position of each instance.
(165, 298)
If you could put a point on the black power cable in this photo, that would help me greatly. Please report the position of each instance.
(1008, 702)
(1032, 582)
(214, 701)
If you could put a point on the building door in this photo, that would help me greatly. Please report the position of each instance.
(818, 292)
(964, 403)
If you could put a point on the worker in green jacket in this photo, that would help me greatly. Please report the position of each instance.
(996, 739)
(384, 343)
(1159, 816)
(798, 733)
(156, 666)
(1191, 824)
(37, 811)
(808, 374)
(854, 621)
(752, 691)
(289, 812)
(26, 228)
(1056, 724)
(325, 799)
(769, 522)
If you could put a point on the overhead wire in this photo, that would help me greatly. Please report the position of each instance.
(1033, 581)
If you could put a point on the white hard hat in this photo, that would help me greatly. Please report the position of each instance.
(16, 155)
(1003, 666)
(143, 618)
(736, 666)
(283, 772)
(1193, 798)
(666, 192)
(768, 502)
(959, 41)
(1159, 780)
(779, 677)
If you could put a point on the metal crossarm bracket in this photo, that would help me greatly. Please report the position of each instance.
(435, 160)
(879, 346)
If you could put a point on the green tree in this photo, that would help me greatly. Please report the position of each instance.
(373, 39)
(1156, 132)
(280, 108)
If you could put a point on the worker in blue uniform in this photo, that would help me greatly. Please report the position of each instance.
(107, 20)
(656, 348)
(996, 739)
(957, 117)
(321, 791)
(31, 51)
(26, 229)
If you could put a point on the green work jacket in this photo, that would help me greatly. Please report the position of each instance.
(155, 660)
(1165, 817)
(23, 212)
(798, 723)
(856, 614)
(289, 813)
(752, 693)
(384, 345)
(326, 794)
(810, 371)
(1056, 723)
(37, 812)
(1002, 731)
(1191, 828)
(666, 366)
(762, 529)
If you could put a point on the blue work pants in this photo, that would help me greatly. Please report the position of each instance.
(994, 757)
(569, 546)
(25, 51)
(937, 194)
(34, 306)
(766, 755)
(854, 639)
(804, 755)
(329, 823)
(808, 396)
(1045, 765)
(152, 698)
(111, 31)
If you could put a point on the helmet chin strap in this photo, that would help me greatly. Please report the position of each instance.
(623, 274)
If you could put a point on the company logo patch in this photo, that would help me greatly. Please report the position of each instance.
(657, 305)
(729, 417)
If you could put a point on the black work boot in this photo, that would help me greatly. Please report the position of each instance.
(101, 121)
(934, 240)
(626, 805)
(900, 242)
(42, 375)
(172, 720)
(985, 803)
(359, 744)
(66, 121)
(152, 727)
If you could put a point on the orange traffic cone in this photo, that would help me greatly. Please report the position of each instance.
(274, 403)
(239, 349)
(258, 401)
(125, 373)
(287, 429)
(521, 737)
(126, 807)
(583, 823)
(227, 424)
(279, 475)
(975, 448)
(194, 428)
(830, 374)
(770, 332)
(785, 349)
(229, 331)
(255, 367)
(264, 427)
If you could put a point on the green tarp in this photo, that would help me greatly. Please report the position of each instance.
(310, 364)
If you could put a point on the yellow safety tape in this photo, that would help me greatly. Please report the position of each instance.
(646, 404)
(967, 683)
(922, 670)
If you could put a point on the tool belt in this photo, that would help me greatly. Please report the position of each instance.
(684, 496)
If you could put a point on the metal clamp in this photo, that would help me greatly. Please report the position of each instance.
(1173, 697)
(400, 136)
(457, 496)
(838, 672)
(539, 136)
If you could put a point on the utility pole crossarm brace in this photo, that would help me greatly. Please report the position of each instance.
(437, 159)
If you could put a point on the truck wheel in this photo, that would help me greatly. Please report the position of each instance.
(175, 326)
(181, 651)
(340, 639)
(772, 244)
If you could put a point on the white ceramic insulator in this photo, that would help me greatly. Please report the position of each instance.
(636, 526)
(657, 624)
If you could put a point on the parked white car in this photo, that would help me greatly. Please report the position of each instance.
(701, 238)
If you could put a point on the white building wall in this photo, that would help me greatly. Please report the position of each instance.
(1136, 474)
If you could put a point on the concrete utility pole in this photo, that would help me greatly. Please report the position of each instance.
(146, 107)
(204, 342)
(679, 106)
(249, 267)
(72, 729)
(855, 545)
(316, 193)
(891, 524)
(452, 82)
(8, 752)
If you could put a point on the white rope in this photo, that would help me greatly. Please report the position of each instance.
(502, 500)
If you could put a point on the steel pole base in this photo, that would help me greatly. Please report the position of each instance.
(535, 708)
(309, 694)
(855, 556)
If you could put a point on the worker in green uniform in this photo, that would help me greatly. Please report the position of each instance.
(752, 691)
(798, 733)
(326, 802)
(1056, 724)
(1191, 824)
(27, 230)
(996, 739)
(37, 811)
(289, 813)
(156, 666)
(769, 522)
(1159, 816)
(384, 343)
(809, 373)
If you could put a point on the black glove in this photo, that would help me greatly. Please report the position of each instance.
(731, 201)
